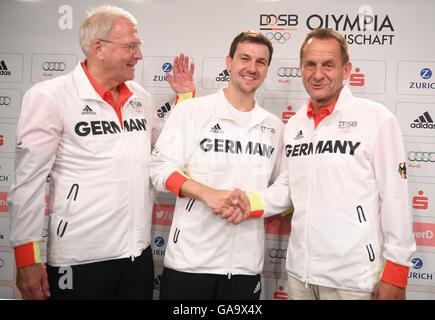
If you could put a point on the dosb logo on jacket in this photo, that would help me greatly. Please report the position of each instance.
(136, 105)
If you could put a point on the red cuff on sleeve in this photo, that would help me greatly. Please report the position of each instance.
(174, 182)
(27, 254)
(256, 214)
(395, 274)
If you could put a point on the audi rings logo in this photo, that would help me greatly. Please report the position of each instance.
(421, 156)
(277, 253)
(5, 100)
(54, 66)
(289, 72)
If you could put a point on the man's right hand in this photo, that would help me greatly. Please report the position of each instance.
(32, 281)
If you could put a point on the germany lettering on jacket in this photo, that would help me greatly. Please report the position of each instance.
(235, 146)
(328, 146)
(84, 128)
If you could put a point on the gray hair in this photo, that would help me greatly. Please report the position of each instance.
(324, 33)
(99, 23)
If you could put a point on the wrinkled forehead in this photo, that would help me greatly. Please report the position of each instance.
(321, 49)
(124, 30)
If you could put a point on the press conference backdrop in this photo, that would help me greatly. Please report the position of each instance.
(392, 52)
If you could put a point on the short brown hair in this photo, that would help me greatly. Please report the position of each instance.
(324, 33)
(251, 36)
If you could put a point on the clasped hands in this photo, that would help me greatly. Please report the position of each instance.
(233, 205)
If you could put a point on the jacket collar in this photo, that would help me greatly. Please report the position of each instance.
(86, 90)
(258, 113)
(343, 98)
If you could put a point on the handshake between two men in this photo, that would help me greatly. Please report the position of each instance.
(234, 206)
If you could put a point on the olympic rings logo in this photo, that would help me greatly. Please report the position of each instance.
(278, 36)
(421, 156)
(5, 100)
(54, 66)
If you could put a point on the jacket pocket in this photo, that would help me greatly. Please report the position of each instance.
(190, 203)
(363, 221)
(176, 234)
(62, 222)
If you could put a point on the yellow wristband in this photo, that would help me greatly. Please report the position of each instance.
(184, 96)
(257, 205)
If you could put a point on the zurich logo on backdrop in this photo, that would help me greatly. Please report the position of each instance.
(159, 241)
(167, 67)
(417, 263)
(426, 73)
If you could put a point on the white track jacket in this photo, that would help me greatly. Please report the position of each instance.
(204, 142)
(100, 204)
(349, 193)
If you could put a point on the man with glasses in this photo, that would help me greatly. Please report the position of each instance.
(91, 131)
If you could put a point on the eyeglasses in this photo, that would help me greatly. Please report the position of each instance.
(132, 47)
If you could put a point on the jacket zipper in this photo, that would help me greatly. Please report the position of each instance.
(131, 192)
(307, 224)
(230, 269)
(312, 165)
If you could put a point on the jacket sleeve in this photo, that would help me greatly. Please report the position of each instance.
(159, 115)
(170, 153)
(38, 134)
(276, 198)
(396, 221)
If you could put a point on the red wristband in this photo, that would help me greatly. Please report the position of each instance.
(174, 182)
(395, 274)
(27, 254)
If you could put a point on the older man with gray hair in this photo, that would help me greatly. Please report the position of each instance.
(351, 230)
(91, 131)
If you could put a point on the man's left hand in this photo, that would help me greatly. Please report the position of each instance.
(386, 291)
(182, 79)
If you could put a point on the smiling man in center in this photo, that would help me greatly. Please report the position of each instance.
(218, 142)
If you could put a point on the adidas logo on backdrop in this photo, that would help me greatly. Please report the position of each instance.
(4, 71)
(223, 76)
(423, 122)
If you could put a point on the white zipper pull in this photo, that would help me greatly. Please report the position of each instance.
(229, 275)
(306, 282)
(132, 257)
